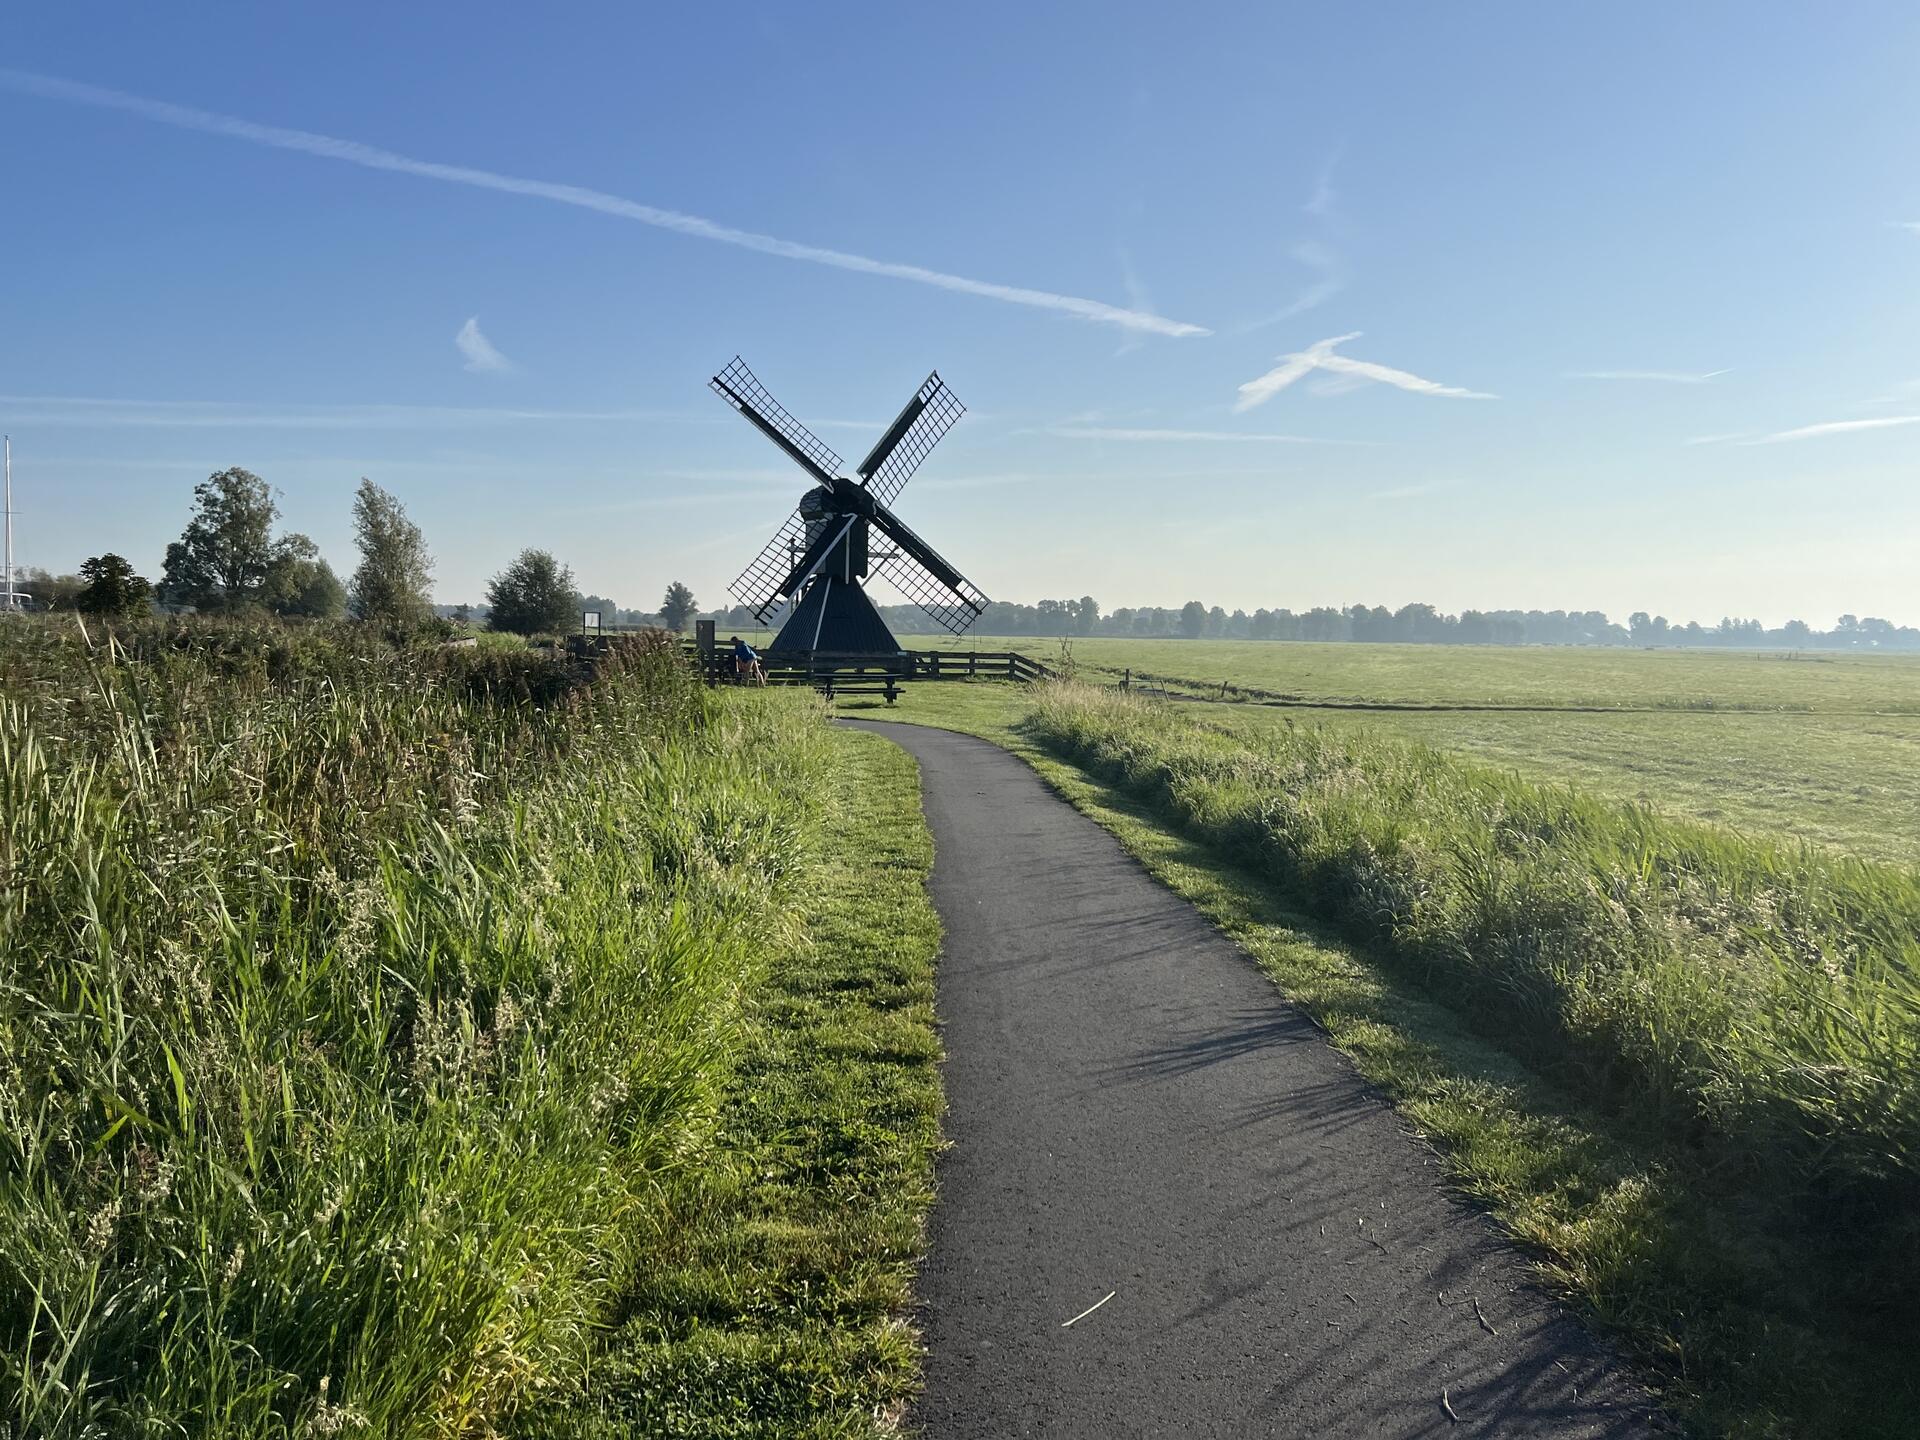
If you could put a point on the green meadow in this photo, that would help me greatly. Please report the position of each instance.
(1822, 748)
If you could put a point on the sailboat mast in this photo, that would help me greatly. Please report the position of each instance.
(7, 603)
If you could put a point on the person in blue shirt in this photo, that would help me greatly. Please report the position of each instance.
(746, 663)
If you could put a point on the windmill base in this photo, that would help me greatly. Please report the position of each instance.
(835, 617)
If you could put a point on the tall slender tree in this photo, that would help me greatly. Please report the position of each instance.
(394, 582)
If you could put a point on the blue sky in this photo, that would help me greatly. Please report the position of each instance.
(1630, 292)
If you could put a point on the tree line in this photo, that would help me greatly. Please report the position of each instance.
(229, 561)
(1416, 624)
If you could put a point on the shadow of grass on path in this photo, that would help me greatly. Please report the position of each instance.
(1679, 1260)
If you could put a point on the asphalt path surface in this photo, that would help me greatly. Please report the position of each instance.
(1135, 1112)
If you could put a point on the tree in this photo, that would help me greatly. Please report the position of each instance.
(300, 583)
(678, 606)
(1193, 619)
(46, 590)
(1086, 615)
(396, 574)
(111, 587)
(220, 561)
(532, 596)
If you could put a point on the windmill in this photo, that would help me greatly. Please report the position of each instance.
(820, 558)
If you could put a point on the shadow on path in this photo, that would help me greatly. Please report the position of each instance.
(1132, 1108)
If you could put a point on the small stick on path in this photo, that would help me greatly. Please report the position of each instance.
(1090, 1309)
(1484, 1325)
(1447, 1405)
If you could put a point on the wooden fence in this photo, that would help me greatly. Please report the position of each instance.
(875, 674)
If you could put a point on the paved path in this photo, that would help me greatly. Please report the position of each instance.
(1133, 1108)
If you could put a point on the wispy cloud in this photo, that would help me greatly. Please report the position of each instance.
(1106, 432)
(1331, 280)
(1670, 377)
(1913, 225)
(1320, 356)
(1835, 427)
(481, 356)
(1323, 203)
(79, 410)
(354, 153)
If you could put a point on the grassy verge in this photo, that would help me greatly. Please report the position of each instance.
(1752, 1238)
(353, 1003)
(770, 1286)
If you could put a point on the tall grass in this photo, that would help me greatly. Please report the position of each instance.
(1756, 1004)
(350, 998)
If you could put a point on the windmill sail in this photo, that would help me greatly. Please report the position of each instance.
(819, 558)
(737, 386)
(758, 586)
(954, 607)
(922, 574)
(932, 412)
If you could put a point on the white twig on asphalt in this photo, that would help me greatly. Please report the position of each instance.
(1447, 1405)
(1484, 1325)
(1090, 1309)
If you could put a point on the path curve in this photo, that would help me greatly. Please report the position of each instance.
(1132, 1108)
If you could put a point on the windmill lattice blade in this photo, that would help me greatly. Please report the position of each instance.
(940, 408)
(739, 388)
(954, 607)
(758, 586)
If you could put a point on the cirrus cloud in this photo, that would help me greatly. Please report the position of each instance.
(1321, 356)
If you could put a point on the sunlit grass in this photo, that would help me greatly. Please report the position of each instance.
(354, 1003)
(1606, 677)
(1678, 1064)
(769, 1293)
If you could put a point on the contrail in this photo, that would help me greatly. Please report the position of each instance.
(353, 153)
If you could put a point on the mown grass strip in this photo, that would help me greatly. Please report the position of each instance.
(772, 1285)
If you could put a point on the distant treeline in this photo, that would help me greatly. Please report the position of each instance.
(1409, 625)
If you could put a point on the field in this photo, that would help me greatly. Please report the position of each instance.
(1824, 749)
(1498, 676)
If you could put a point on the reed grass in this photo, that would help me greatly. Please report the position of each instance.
(1731, 1180)
(353, 1002)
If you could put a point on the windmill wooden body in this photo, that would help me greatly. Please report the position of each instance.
(820, 559)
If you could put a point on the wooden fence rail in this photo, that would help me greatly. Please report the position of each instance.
(877, 674)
